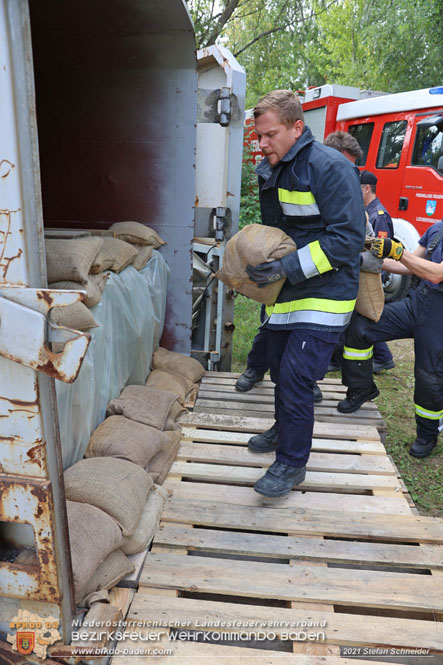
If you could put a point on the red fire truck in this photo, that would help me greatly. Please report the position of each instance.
(401, 136)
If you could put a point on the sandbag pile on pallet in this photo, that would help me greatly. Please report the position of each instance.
(81, 264)
(111, 493)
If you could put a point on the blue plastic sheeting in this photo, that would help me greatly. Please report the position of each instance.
(131, 315)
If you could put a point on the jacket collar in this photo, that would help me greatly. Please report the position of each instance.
(269, 173)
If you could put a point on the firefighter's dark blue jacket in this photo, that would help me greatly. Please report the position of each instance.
(380, 219)
(314, 195)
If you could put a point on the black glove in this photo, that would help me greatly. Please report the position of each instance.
(266, 273)
(385, 248)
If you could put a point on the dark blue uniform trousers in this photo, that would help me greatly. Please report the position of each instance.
(420, 316)
(297, 358)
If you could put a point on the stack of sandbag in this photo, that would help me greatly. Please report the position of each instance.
(142, 240)
(252, 245)
(68, 263)
(82, 264)
(105, 500)
(155, 409)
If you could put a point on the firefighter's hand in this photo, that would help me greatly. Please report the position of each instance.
(385, 248)
(266, 273)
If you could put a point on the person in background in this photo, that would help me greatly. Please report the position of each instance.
(313, 194)
(257, 361)
(418, 316)
(381, 222)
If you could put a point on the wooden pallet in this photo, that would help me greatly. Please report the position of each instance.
(217, 394)
(344, 550)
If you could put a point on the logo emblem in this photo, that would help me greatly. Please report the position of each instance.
(430, 207)
(25, 643)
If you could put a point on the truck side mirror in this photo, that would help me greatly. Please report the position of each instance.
(440, 164)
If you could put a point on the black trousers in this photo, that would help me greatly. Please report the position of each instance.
(418, 316)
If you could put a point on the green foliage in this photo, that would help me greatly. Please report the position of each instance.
(390, 45)
(247, 321)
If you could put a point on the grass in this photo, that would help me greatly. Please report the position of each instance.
(423, 477)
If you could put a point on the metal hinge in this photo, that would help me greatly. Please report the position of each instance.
(214, 106)
(26, 332)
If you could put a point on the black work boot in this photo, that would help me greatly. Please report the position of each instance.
(279, 479)
(318, 395)
(423, 445)
(355, 397)
(248, 379)
(266, 442)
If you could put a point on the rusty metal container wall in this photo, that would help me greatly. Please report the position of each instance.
(143, 60)
(32, 500)
(116, 110)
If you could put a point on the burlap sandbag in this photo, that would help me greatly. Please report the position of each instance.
(116, 486)
(159, 466)
(114, 568)
(93, 534)
(174, 414)
(103, 261)
(175, 362)
(174, 383)
(252, 245)
(370, 297)
(122, 253)
(122, 438)
(94, 287)
(76, 316)
(143, 404)
(149, 520)
(137, 233)
(71, 259)
(143, 256)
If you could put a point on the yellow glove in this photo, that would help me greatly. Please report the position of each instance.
(385, 248)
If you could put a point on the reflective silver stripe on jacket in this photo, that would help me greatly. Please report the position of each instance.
(310, 316)
(306, 263)
(297, 210)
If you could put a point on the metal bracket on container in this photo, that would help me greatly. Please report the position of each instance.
(215, 106)
(219, 222)
(25, 331)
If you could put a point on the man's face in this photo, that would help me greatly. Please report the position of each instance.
(275, 139)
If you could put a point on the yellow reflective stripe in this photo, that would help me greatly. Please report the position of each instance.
(427, 413)
(319, 258)
(298, 198)
(357, 354)
(316, 304)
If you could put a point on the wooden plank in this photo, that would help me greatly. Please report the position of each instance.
(245, 424)
(327, 445)
(368, 526)
(340, 628)
(232, 494)
(285, 582)
(261, 407)
(263, 387)
(315, 480)
(195, 653)
(268, 399)
(219, 454)
(267, 378)
(305, 548)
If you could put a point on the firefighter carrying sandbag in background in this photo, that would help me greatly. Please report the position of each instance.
(418, 316)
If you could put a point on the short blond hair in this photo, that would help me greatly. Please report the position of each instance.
(283, 103)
